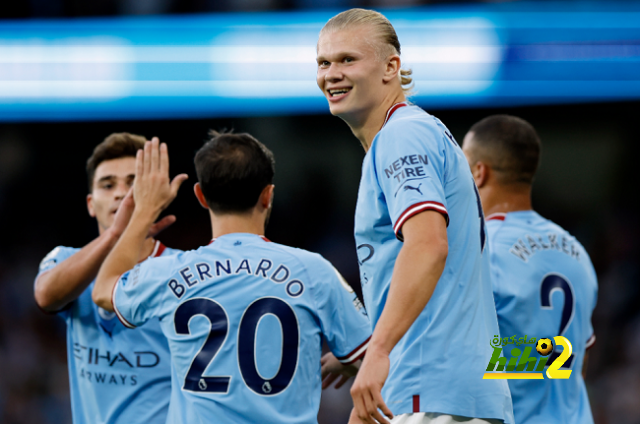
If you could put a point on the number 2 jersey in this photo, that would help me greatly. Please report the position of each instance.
(116, 376)
(415, 165)
(544, 285)
(245, 319)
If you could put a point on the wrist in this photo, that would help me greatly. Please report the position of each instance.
(378, 348)
(144, 217)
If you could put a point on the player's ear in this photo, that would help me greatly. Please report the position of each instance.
(392, 69)
(480, 172)
(200, 195)
(92, 212)
(266, 197)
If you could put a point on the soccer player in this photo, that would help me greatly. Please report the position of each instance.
(244, 316)
(116, 375)
(543, 282)
(420, 237)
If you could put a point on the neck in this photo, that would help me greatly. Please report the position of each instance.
(252, 222)
(504, 199)
(366, 128)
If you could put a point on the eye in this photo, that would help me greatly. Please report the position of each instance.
(348, 59)
(106, 186)
(323, 63)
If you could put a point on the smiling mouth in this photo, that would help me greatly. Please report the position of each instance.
(338, 91)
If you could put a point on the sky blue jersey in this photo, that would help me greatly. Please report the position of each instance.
(116, 375)
(245, 319)
(544, 286)
(414, 165)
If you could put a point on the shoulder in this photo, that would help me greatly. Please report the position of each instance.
(57, 255)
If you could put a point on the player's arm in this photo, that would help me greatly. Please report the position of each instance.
(332, 369)
(61, 285)
(416, 272)
(153, 191)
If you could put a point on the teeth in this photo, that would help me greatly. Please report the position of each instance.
(338, 92)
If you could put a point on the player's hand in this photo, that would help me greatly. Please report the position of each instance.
(153, 191)
(332, 369)
(123, 216)
(353, 418)
(367, 389)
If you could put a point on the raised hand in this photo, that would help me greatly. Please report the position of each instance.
(152, 189)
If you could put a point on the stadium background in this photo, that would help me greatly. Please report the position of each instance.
(587, 181)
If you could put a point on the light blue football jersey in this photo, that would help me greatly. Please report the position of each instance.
(544, 285)
(245, 319)
(116, 376)
(413, 165)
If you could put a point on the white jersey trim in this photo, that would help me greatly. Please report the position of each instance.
(415, 209)
(355, 354)
(115, 308)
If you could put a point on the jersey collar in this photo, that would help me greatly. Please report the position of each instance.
(158, 248)
(498, 216)
(391, 111)
(262, 237)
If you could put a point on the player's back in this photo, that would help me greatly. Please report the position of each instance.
(244, 319)
(544, 286)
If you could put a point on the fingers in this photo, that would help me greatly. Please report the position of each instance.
(155, 154)
(380, 405)
(176, 183)
(139, 162)
(147, 158)
(330, 378)
(164, 159)
(161, 225)
(343, 379)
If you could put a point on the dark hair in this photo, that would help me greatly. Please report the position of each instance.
(233, 169)
(510, 145)
(115, 146)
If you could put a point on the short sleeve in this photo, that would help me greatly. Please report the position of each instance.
(50, 261)
(409, 158)
(343, 320)
(138, 294)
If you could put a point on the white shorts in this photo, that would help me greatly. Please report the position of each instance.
(435, 418)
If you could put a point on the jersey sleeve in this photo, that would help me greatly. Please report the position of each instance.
(410, 162)
(343, 320)
(50, 261)
(138, 294)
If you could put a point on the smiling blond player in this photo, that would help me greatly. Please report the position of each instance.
(420, 237)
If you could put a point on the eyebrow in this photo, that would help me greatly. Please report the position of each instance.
(113, 177)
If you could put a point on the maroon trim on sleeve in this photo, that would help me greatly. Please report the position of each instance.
(416, 209)
(355, 354)
(115, 309)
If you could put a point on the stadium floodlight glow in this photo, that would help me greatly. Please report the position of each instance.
(264, 64)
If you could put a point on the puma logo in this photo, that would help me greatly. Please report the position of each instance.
(408, 187)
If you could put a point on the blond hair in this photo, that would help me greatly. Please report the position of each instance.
(389, 43)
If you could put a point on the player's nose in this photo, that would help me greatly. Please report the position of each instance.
(121, 190)
(333, 73)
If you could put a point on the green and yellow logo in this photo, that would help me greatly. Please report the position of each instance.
(521, 365)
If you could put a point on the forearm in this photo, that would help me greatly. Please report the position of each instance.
(416, 272)
(63, 284)
(121, 259)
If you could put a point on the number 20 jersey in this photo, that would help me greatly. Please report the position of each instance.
(415, 165)
(544, 285)
(245, 319)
